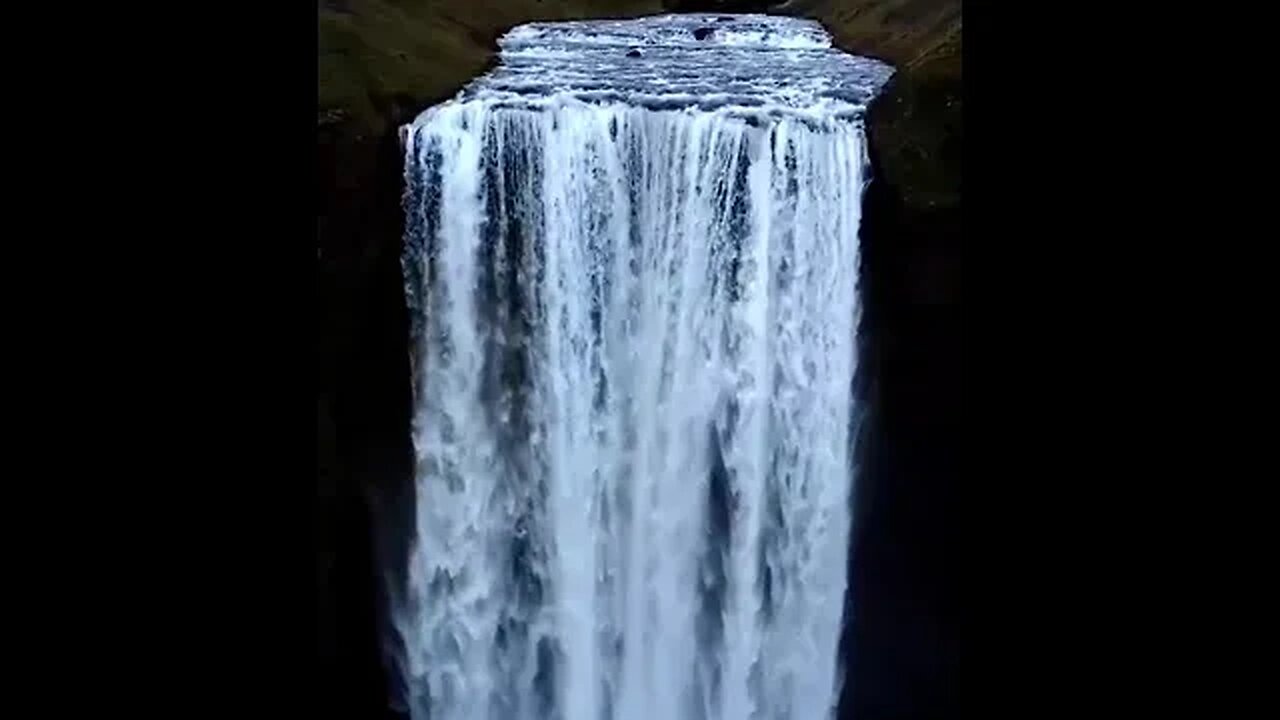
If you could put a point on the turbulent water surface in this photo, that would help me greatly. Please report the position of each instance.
(631, 260)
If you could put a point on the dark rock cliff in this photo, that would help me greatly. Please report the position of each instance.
(381, 62)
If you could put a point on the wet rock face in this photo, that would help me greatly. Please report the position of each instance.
(917, 125)
(364, 454)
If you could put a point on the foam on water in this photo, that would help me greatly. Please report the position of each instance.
(633, 289)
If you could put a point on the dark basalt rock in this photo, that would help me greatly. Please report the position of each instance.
(703, 33)
(633, 53)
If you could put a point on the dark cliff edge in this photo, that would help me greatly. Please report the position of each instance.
(382, 62)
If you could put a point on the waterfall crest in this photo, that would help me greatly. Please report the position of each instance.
(631, 260)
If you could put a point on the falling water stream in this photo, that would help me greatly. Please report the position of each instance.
(632, 266)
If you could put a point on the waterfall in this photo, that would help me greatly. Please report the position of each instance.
(632, 261)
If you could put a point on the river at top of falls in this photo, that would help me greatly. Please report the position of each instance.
(631, 260)
(753, 66)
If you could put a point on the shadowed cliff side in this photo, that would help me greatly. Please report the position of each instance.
(383, 61)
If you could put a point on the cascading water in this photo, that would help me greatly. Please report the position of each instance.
(631, 259)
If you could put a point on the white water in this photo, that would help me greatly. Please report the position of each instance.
(634, 293)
